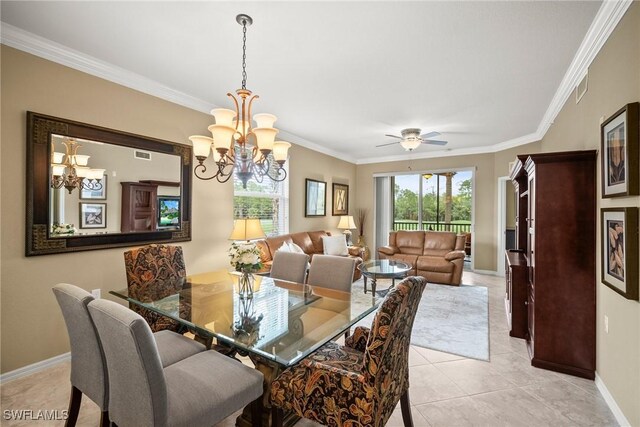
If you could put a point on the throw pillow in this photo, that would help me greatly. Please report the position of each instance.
(285, 247)
(295, 248)
(335, 245)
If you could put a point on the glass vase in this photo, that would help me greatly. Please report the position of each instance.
(245, 285)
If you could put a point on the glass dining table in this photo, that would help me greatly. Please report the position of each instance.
(280, 325)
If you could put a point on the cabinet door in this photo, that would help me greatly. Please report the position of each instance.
(531, 217)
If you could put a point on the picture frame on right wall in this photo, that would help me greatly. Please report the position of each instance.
(619, 269)
(619, 140)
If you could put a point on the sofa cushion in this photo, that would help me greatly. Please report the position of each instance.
(409, 259)
(335, 245)
(304, 241)
(439, 242)
(275, 242)
(434, 263)
(316, 239)
(410, 242)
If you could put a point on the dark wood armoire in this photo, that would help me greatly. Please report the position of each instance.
(138, 209)
(556, 236)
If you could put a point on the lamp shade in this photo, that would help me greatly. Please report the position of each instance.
(264, 120)
(410, 144)
(58, 157)
(201, 145)
(81, 159)
(280, 150)
(223, 116)
(247, 229)
(95, 174)
(265, 137)
(346, 222)
(222, 135)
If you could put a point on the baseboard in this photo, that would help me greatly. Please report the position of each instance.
(611, 402)
(33, 368)
(487, 272)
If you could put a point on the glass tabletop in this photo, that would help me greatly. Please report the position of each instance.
(384, 267)
(283, 322)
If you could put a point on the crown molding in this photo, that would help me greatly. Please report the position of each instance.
(604, 23)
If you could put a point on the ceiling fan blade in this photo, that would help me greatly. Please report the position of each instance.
(390, 143)
(393, 136)
(429, 135)
(434, 142)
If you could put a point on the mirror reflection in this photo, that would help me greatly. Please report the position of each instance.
(101, 188)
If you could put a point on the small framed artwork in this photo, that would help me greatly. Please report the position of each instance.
(100, 194)
(315, 198)
(620, 250)
(340, 200)
(619, 136)
(93, 215)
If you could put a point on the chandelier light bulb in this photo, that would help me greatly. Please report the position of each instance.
(222, 136)
(265, 138)
(223, 116)
(264, 120)
(58, 170)
(81, 159)
(58, 157)
(201, 145)
(280, 151)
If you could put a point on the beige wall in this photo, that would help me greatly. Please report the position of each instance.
(314, 165)
(32, 326)
(614, 80)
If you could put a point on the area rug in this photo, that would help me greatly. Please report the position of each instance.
(453, 319)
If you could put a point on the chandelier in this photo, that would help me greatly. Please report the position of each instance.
(70, 169)
(238, 146)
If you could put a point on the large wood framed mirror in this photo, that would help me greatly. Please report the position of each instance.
(143, 196)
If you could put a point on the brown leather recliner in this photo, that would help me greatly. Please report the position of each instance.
(311, 244)
(438, 256)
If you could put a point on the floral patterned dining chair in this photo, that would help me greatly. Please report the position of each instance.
(360, 383)
(155, 272)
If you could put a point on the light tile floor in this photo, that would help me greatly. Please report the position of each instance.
(446, 390)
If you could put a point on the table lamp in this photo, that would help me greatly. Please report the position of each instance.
(346, 223)
(247, 229)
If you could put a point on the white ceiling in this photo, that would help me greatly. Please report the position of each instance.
(342, 74)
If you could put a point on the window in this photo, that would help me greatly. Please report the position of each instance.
(432, 201)
(268, 201)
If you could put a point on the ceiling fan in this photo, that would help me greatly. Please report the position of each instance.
(411, 139)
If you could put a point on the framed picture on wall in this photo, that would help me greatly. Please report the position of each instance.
(619, 136)
(93, 215)
(100, 194)
(620, 250)
(340, 204)
(315, 198)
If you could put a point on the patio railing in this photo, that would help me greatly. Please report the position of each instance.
(431, 225)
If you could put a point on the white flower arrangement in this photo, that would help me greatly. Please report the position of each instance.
(63, 229)
(245, 256)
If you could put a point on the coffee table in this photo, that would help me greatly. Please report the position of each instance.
(383, 268)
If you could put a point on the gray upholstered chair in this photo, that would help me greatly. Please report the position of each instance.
(289, 266)
(88, 369)
(200, 390)
(334, 272)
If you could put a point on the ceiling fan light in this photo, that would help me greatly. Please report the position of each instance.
(264, 120)
(223, 116)
(410, 144)
(201, 145)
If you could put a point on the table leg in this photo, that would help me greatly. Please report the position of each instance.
(364, 278)
(270, 370)
(373, 285)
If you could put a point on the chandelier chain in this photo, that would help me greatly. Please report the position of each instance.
(244, 54)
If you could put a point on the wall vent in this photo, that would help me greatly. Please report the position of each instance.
(582, 87)
(142, 155)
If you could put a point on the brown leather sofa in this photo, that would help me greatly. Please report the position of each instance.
(436, 255)
(311, 244)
